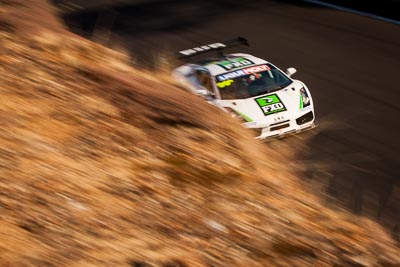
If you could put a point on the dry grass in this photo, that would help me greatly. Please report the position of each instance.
(104, 165)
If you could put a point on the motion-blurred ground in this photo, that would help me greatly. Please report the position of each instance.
(104, 165)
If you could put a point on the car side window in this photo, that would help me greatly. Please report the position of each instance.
(205, 80)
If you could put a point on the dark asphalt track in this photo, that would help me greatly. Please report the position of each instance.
(351, 64)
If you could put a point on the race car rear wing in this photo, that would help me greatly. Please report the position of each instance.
(213, 47)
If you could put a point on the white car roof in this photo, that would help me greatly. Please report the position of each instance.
(216, 69)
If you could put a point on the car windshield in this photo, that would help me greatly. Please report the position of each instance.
(251, 81)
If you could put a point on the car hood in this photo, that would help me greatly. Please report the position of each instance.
(270, 108)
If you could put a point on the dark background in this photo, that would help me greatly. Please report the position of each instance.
(385, 8)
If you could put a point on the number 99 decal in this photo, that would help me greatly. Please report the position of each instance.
(224, 83)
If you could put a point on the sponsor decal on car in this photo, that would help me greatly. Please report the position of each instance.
(235, 63)
(242, 72)
(256, 69)
(224, 83)
(270, 104)
(230, 75)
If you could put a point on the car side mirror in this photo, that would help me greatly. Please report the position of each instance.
(290, 71)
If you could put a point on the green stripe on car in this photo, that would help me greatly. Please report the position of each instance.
(247, 118)
(301, 101)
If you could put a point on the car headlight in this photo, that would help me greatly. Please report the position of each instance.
(304, 98)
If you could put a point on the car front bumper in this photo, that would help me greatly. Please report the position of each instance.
(289, 127)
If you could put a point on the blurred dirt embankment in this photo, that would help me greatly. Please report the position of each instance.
(104, 165)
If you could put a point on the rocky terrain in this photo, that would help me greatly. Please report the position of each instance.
(105, 165)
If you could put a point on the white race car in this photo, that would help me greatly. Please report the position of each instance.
(255, 91)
